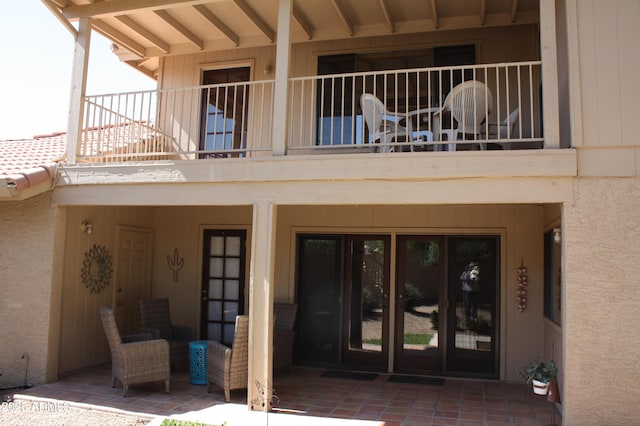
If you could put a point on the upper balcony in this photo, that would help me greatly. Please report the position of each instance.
(476, 107)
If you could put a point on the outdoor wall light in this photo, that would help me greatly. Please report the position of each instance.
(86, 227)
(557, 235)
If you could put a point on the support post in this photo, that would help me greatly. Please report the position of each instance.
(78, 88)
(281, 86)
(549, 58)
(261, 289)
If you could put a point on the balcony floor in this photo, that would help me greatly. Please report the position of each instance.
(305, 397)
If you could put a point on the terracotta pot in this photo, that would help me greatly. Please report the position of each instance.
(540, 388)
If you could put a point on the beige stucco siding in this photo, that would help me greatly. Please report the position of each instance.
(29, 281)
(601, 230)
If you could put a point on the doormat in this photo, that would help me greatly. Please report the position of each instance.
(420, 380)
(349, 375)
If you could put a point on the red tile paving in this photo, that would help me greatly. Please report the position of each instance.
(306, 396)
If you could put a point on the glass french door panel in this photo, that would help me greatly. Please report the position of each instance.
(367, 296)
(320, 271)
(419, 295)
(473, 285)
(215, 289)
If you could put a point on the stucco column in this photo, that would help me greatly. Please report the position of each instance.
(78, 88)
(281, 86)
(261, 288)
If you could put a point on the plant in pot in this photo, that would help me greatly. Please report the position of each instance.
(539, 374)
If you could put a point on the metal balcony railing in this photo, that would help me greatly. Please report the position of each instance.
(401, 110)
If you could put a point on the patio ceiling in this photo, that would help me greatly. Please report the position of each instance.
(145, 30)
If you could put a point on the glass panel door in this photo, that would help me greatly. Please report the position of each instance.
(419, 297)
(365, 336)
(222, 294)
(319, 291)
(473, 277)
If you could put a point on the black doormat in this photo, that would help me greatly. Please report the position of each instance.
(421, 380)
(349, 375)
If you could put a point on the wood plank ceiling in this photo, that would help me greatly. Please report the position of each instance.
(145, 30)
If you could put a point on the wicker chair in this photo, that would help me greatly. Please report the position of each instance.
(135, 362)
(156, 319)
(228, 367)
(283, 335)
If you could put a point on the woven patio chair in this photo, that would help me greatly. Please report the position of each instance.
(135, 362)
(228, 367)
(155, 318)
(283, 335)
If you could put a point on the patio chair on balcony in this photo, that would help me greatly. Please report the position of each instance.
(228, 367)
(283, 335)
(386, 127)
(469, 103)
(135, 362)
(156, 319)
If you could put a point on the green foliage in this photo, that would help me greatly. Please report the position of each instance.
(434, 315)
(174, 422)
(412, 297)
(417, 339)
(544, 371)
(371, 299)
(480, 326)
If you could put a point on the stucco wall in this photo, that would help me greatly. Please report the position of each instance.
(27, 272)
(601, 230)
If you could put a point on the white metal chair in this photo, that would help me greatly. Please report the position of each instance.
(470, 103)
(384, 125)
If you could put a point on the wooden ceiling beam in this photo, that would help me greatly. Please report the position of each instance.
(213, 20)
(120, 7)
(483, 11)
(434, 12)
(144, 33)
(343, 16)
(122, 40)
(302, 22)
(53, 8)
(257, 21)
(387, 16)
(191, 37)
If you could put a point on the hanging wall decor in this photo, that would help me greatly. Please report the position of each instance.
(521, 292)
(96, 269)
(175, 264)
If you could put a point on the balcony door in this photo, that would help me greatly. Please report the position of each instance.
(223, 130)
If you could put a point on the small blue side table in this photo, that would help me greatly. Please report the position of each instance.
(198, 362)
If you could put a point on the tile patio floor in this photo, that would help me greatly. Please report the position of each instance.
(307, 398)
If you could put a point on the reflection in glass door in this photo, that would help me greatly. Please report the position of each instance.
(473, 278)
(418, 301)
(366, 336)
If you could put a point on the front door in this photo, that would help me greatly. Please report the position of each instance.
(133, 275)
(366, 302)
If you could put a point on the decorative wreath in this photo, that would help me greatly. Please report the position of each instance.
(96, 269)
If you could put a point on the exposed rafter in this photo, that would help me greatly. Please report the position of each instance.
(258, 22)
(514, 10)
(343, 16)
(119, 7)
(213, 20)
(53, 7)
(483, 11)
(434, 12)
(143, 32)
(302, 22)
(121, 39)
(191, 37)
(387, 15)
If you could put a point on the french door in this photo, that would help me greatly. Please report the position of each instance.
(439, 326)
(223, 283)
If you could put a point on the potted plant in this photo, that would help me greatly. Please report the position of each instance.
(539, 374)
